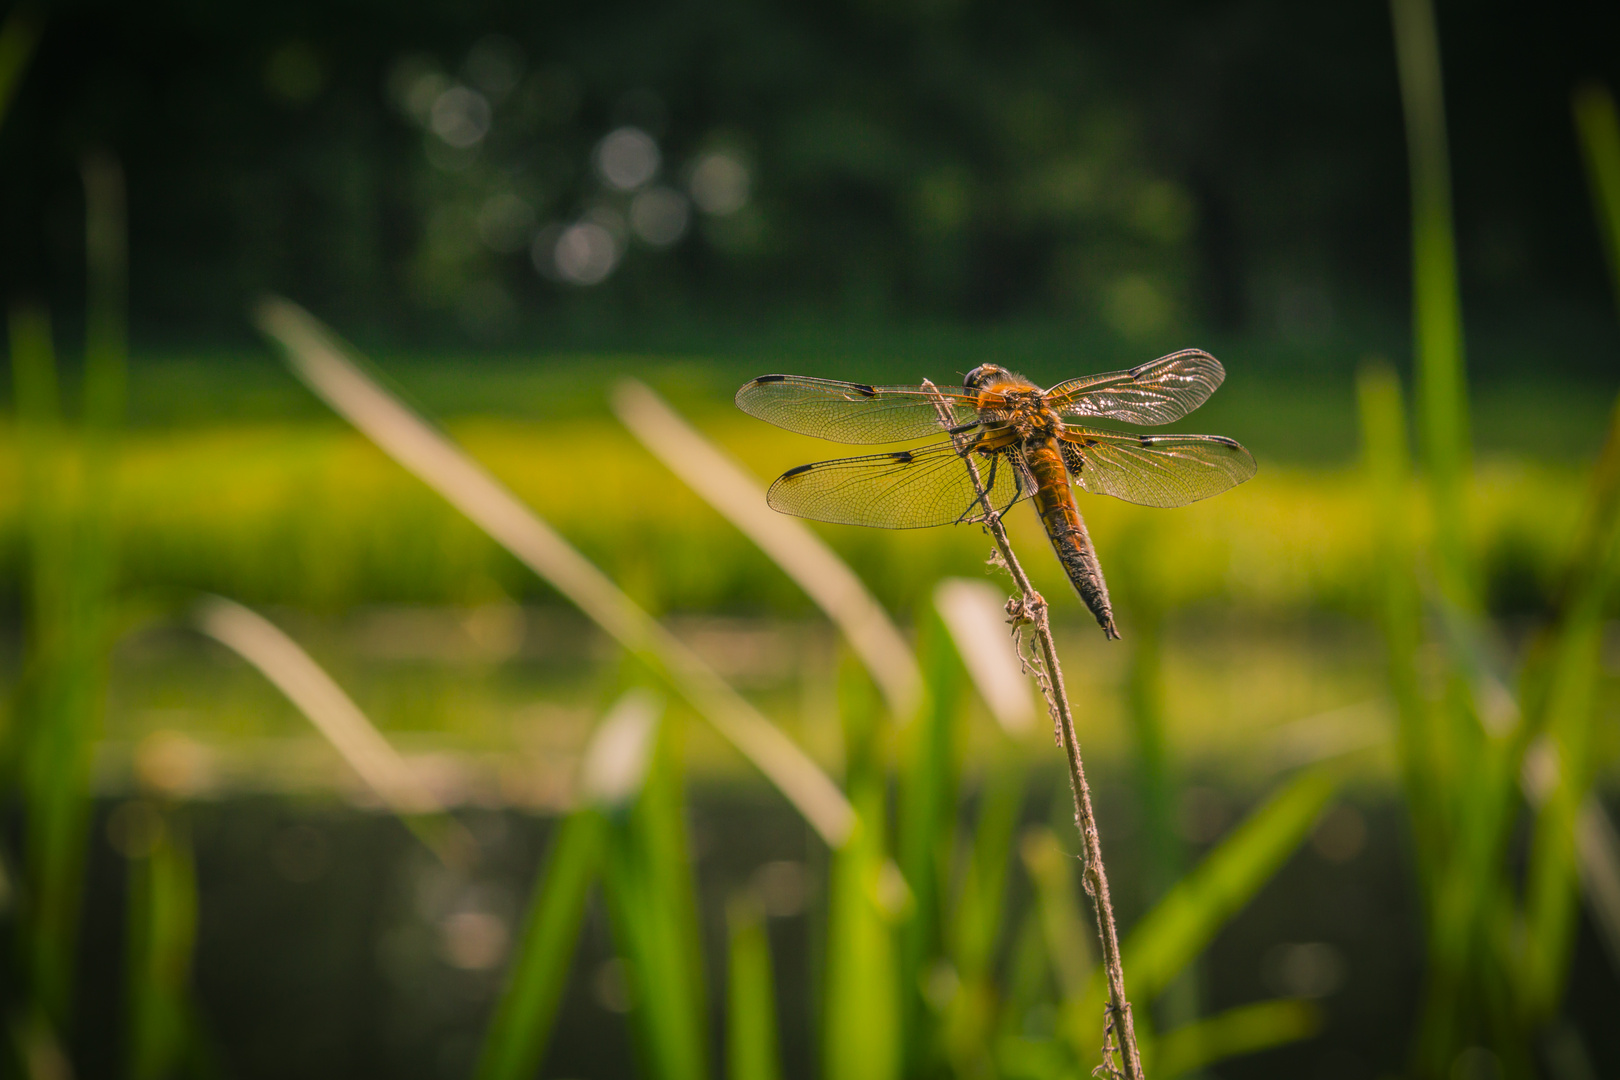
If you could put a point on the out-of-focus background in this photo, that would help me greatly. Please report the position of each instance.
(501, 212)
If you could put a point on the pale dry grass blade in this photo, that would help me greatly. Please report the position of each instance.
(975, 613)
(1597, 850)
(1597, 846)
(620, 750)
(804, 556)
(322, 701)
(321, 362)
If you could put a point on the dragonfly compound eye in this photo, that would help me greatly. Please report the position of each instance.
(981, 375)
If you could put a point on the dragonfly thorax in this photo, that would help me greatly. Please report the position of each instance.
(1007, 400)
(1021, 410)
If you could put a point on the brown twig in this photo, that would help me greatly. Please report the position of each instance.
(1029, 609)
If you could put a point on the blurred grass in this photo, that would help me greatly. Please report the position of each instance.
(162, 931)
(752, 1052)
(19, 35)
(520, 1030)
(68, 572)
(1473, 752)
(314, 516)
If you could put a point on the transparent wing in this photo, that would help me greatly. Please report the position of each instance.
(1154, 470)
(855, 412)
(906, 489)
(1157, 392)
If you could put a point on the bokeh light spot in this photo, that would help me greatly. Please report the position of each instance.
(585, 253)
(474, 940)
(460, 116)
(719, 183)
(659, 216)
(414, 84)
(783, 888)
(611, 986)
(1136, 307)
(627, 158)
(1341, 834)
(1311, 969)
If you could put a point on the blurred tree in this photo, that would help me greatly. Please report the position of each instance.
(434, 172)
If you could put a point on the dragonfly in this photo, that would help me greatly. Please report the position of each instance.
(1001, 439)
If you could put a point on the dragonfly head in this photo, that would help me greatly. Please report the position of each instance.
(984, 375)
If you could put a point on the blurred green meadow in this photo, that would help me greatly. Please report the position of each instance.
(309, 517)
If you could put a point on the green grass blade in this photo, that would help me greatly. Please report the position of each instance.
(861, 1010)
(70, 603)
(1176, 930)
(612, 775)
(976, 923)
(862, 1036)
(1559, 695)
(649, 889)
(1400, 615)
(1598, 128)
(1062, 913)
(162, 933)
(927, 810)
(1229, 1034)
(19, 36)
(752, 1052)
(106, 347)
(1137, 587)
(57, 696)
(1145, 710)
(1550, 894)
(660, 819)
(1436, 301)
(518, 1034)
(1560, 690)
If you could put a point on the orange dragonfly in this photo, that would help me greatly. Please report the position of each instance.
(1024, 441)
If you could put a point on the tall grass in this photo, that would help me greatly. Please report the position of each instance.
(66, 489)
(19, 36)
(915, 904)
(1498, 947)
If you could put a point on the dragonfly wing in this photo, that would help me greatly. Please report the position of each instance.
(1156, 392)
(855, 412)
(905, 489)
(1154, 470)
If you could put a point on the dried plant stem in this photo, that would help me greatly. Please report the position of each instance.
(1029, 608)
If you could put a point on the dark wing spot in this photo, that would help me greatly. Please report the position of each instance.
(902, 456)
(960, 428)
(1224, 441)
(797, 471)
(1136, 372)
(763, 379)
(864, 390)
(1147, 440)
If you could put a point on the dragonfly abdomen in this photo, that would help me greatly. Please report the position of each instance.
(1067, 531)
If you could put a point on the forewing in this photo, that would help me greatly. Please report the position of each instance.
(905, 489)
(1155, 470)
(855, 412)
(1157, 392)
